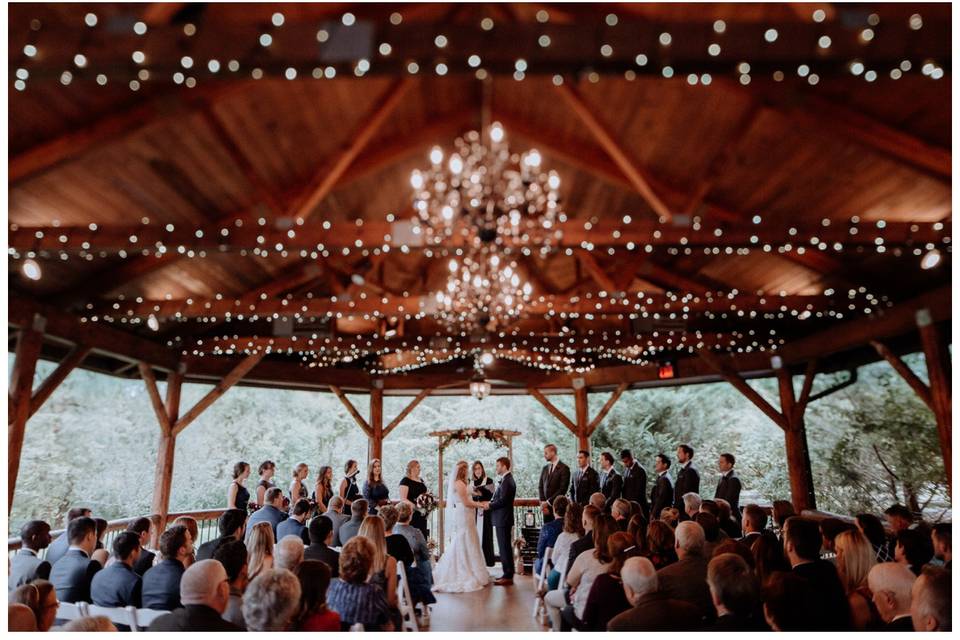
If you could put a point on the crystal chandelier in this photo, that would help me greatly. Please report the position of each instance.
(483, 290)
(487, 194)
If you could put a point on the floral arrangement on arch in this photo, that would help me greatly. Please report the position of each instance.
(497, 435)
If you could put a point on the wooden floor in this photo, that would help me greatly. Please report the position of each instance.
(490, 609)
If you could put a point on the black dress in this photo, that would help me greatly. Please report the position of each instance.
(485, 487)
(415, 489)
(352, 493)
(267, 485)
(243, 497)
(375, 492)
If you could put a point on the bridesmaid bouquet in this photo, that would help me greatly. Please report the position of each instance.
(426, 504)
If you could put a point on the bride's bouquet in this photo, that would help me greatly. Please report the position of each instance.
(426, 504)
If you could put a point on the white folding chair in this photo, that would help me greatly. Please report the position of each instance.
(118, 615)
(143, 617)
(357, 627)
(71, 610)
(539, 582)
(407, 614)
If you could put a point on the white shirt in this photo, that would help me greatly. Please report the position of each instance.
(686, 464)
(662, 473)
(30, 552)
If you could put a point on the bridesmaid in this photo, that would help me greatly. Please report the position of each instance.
(483, 492)
(237, 495)
(411, 488)
(374, 490)
(297, 488)
(323, 490)
(266, 470)
(349, 490)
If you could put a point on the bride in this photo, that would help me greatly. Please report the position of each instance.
(461, 567)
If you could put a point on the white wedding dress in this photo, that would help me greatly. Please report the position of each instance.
(461, 567)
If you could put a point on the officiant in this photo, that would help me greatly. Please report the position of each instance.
(483, 489)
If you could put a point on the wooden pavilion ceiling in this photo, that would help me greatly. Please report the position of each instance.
(811, 160)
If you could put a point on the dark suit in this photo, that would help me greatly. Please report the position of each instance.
(26, 567)
(661, 496)
(657, 612)
(291, 527)
(586, 482)
(193, 617)
(145, 561)
(734, 622)
(207, 549)
(116, 586)
(729, 489)
(688, 481)
(611, 486)
(900, 624)
(161, 585)
(268, 513)
(553, 484)
(72, 574)
(326, 555)
(585, 543)
(501, 517)
(687, 580)
(635, 486)
(832, 603)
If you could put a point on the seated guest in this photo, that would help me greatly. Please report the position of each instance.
(735, 593)
(271, 513)
(101, 531)
(272, 601)
(59, 547)
(89, 623)
(930, 603)
(41, 599)
(314, 577)
(801, 544)
(620, 510)
(422, 574)
(118, 585)
(855, 558)
(737, 548)
(650, 609)
(294, 525)
(691, 504)
(20, 618)
(782, 509)
(397, 545)
(892, 584)
(321, 537)
(942, 548)
(754, 522)
(686, 579)
(26, 565)
(768, 556)
(585, 543)
(661, 544)
(711, 507)
(584, 571)
(914, 549)
(550, 531)
(231, 525)
(205, 593)
(72, 574)
(335, 513)
(830, 528)
(606, 599)
(671, 516)
(194, 529)
(161, 584)
(789, 602)
(351, 527)
(289, 553)
(143, 527)
(637, 530)
(711, 531)
(598, 501)
(900, 518)
(729, 521)
(353, 598)
(233, 556)
(384, 571)
(572, 530)
(871, 526)
(260, 543)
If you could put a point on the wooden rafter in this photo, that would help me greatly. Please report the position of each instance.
(741, 385)
(549, 406)
(217, 392)
(607, 406)
(406, 411)
(918, 386)
(936, 352)
(150, 381)
(352, 410)
(29, 344)
(52, 381)
(809, 374)
(593, 268)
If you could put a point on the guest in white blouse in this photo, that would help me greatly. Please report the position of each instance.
(572, 531)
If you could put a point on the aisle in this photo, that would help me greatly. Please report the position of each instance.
(490, 609)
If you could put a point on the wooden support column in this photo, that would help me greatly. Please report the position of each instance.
(937, 355)
(581, 404)
(798, 454)
(163, 478)
(21, 387)
(376, 424)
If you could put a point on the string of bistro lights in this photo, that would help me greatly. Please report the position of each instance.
(654, 57)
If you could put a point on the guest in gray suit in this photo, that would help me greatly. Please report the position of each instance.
(71, 575)
(337, 518)
(118, 585)
(271, 512)
(26, 566)
(59, 546)
(351, 527)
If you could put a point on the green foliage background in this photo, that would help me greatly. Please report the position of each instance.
(95, 440)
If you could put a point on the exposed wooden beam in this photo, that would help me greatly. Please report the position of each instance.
(21, 386)
(549, 406)
(50, 384)
(406, 411)
(744, 388)
(795, 442)
(376, 424)
(590, 265)
(809, 374)
(158, 14)
(166, 448)
(605, 137)
(936, 352)
(352, 410)
(150, 381)
(581, 405)
(918, 386)
(217, 392)
(612, 400)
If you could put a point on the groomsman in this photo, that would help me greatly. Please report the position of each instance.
(729, 486)
(586, 482)
(554, 478)
(611, 484)
(688, 479)
(661, 496)
(634, 481)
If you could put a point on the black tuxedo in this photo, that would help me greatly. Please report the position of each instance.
(635, 485)
(832, 606)
(554, 484)
(661, 496)
(611, 486)
(501, 517)
(729, 489)
(586, 482)
(688, 481)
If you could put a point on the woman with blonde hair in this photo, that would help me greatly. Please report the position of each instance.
(384, 570)
(297, 488)
(323, 489)
(855, 558)
(411, 488)
(259, 543)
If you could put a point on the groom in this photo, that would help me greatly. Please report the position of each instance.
(501, 516)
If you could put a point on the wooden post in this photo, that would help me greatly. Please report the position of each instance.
(583, 427)
(937, 355)
(375, 451)
(798, 455)
(21, 390)
(163, 478)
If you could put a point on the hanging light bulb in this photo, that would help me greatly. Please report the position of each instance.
(456, 164)
(31, 269)
(436, 155)
(486, 358)
(930, 259)
(533, 159)
(452, 265)
(153, 323)
(416, 179)
(496, 132)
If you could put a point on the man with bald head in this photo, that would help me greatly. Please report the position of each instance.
(204, 592)
(289, 553)
(651, 609)
(891, 584)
